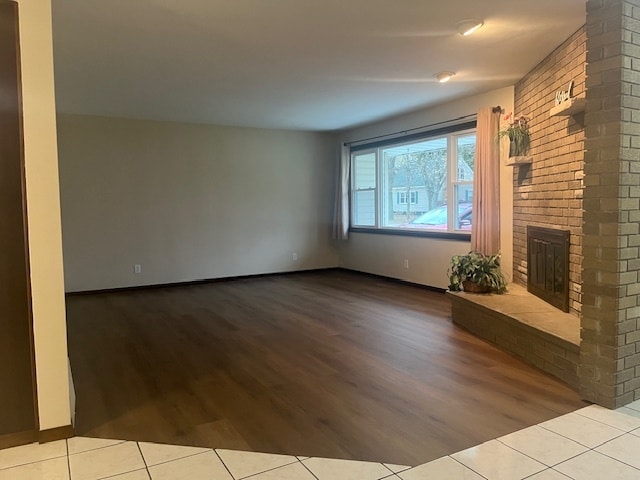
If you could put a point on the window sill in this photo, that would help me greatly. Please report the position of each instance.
(461, 237)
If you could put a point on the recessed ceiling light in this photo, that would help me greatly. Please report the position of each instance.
(444, 76)
(467, 27)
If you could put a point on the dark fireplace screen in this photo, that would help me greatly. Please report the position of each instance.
(548, 265)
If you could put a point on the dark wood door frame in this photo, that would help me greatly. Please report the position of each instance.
(20, 423)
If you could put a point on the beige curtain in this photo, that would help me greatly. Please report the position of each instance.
(485, 228)
(341, 204)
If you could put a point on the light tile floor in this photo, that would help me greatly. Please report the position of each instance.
(592, 443)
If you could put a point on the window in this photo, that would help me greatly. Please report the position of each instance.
(421, 184)
(402, 197)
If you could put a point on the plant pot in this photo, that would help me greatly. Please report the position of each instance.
(517, 147)
(472, 287)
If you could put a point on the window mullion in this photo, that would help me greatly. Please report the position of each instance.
(379, 185)
(452, 201)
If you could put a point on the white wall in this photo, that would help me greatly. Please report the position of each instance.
(190, 202)
(43, 214)
(428, 257)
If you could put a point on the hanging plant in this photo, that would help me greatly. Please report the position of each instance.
(518, 133)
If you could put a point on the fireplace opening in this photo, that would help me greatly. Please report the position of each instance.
(548, 265)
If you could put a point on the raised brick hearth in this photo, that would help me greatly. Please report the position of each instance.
(524, 325)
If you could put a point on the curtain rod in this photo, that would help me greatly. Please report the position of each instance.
(405, 132)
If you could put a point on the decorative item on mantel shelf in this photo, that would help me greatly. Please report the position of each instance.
(518, 133)
(476, 273)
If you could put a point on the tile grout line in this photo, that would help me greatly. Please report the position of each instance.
(118, 442)
(617, 460)
(553, 470)
(589, 449)
(144, 460)
(115, 475)
(175, 459)
(393, 475)
(392, 472)
(552, 467)
(308, 469)
(223, 464)
(543, 463)
(587, 446)
(271, 469)
(66, 446)
(522, 453)
(466, 466)
(33, 461)
(577, 412)
(633, 408)
(146, 469)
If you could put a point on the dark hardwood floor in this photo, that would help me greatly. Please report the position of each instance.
(333, 364)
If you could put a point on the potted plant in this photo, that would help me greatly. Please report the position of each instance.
(476, 272)
(518, 133)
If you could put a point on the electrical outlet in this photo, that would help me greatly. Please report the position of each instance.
(294, 257)
(137, 268)
(406, 263)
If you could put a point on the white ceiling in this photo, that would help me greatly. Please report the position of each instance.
(292, 64)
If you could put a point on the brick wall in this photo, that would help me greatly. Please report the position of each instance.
(610, 349)
(548, 192)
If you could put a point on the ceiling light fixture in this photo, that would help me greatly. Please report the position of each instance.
(444, 76)
(467, 27)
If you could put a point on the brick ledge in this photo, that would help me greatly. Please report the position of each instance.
(525, 326)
